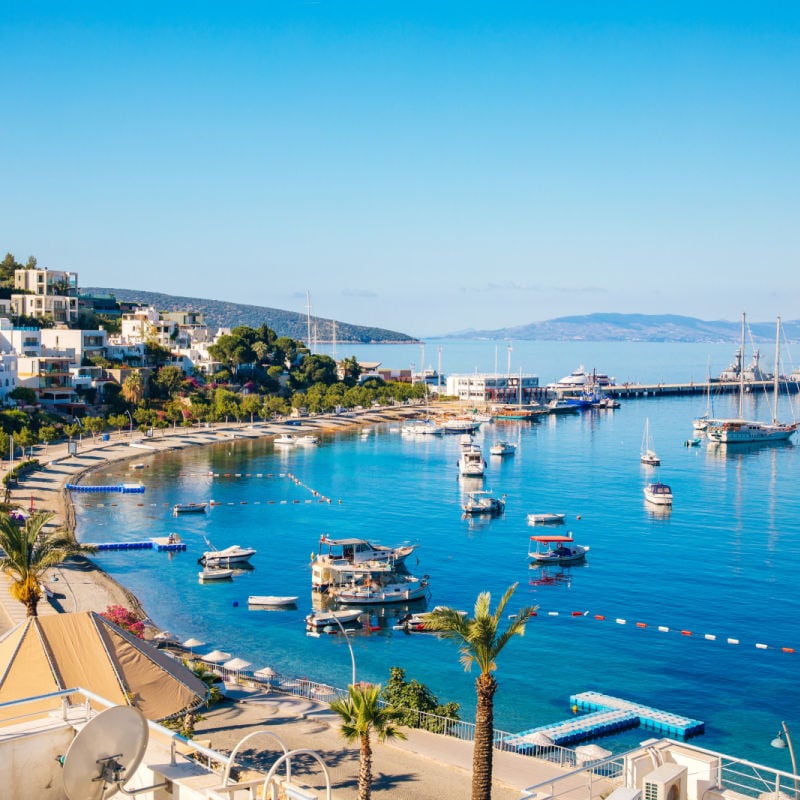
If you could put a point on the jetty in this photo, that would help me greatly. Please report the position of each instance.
(122, 488)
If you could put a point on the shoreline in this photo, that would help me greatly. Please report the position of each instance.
(80, 584)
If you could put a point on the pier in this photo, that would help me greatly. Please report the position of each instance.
(122, 488)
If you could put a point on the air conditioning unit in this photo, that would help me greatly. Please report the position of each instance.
(667, 782)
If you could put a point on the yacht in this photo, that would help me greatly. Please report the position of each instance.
(471, 463)
(229, 555)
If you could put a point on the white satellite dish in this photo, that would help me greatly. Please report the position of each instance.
(105, 754)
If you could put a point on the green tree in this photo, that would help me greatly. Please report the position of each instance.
(480, 642)
(30, 552)
(25, 439)
(23, 395)
(94, 425)
(225, 405)
(47, 434)
(72, 430)
(133, 388)
(251, 405)
(119, 421)
(350, 369)
(168, 381)
(362, 714)
(412, 697)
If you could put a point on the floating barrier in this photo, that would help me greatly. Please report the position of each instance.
(123, 488)
(149, 544)
(653, 718)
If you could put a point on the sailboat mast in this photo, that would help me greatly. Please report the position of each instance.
(741, 374)
(776, 382)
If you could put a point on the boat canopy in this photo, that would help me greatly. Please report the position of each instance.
(552, 539)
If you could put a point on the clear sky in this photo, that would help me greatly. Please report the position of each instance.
(422, 166)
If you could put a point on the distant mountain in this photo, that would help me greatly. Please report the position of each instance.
(220, 314)
(635, 328)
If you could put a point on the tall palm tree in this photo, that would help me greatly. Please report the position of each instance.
(362, 713)
(30, 552)
(480, 641)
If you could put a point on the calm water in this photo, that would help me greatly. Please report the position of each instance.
(723, 562)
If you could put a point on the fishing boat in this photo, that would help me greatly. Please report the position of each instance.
(229, 555)
(742, 431)
(556, 550)
(322, 619)
(214, 574)
(546, 519)
(400, 589)
(658, 494)
(471, 463)
(271, 600)
(189, 508)
(648, 455)
(502, 448)
(484, 502)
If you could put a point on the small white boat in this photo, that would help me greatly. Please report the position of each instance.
(561, 406)
(471, 463)
(271, 601)
(502, 448)
(556, 550)
(285, 439)
(308, 439)
(399, 591)
(484, 503)
(214, 574)
(658, 493)
(648, 455)
(137, 466)
(546, 519)
(321, 619)
(189, 508)
(230, 555)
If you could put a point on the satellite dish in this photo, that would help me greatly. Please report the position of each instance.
(105, 754)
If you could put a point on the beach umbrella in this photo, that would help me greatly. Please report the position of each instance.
(541, 739)
(237, 664)
(216, 656)
(191, 644)
(591, 752)
(266, 672)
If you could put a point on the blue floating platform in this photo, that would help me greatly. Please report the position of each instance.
(576, 729)
(123, 488)
(661, 721)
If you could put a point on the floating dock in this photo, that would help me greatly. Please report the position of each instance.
(577, 729)
(160, 544)
(122, 488)
(661, 721)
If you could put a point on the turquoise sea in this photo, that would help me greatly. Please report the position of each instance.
(723, 565)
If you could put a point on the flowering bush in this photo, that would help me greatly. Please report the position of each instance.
(124, 619)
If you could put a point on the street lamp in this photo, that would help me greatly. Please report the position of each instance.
(783, 740)
(349, 647)
(131, 419)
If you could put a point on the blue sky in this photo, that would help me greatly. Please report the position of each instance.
(422, 166)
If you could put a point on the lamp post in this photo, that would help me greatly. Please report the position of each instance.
(782, 740)
(130, 430)
(349, 647)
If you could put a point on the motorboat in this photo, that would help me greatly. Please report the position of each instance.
(546, 519)
(480, 502)
(471, 463)
(693, 442)
(400, 589)
(559, 405)
(307, 439)
(658, 493)
(360, 551)
(460, 425)
(416, 622)
(284, 440)
(230, 555)
(189, 508)
(271, 600)
(556, 550)
(322, 619)
(214, 574)
(425, 427)
(502, 448)
(648, 456)
(466, 440)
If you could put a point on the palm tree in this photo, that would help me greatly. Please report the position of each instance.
(480, 642)
(362, 713)
(30, 552)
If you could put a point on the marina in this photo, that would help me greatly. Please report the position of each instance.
(550, 470)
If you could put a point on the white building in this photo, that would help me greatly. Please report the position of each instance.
(77, 344)
(143, 326)
(50, 293)
(480, 388)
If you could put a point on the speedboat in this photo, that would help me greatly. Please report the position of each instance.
(471, 463)
(307, 439)
(556, 550)
(230, 555)
(215, 574)
(400, 589)
(322, 619)
(561, 406)
(658, 493)
(502, 448)
(189, 508)
(484, 503)
(285, 439)
(546, 519)
(272, 601)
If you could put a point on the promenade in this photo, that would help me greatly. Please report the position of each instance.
(425, 767)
